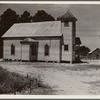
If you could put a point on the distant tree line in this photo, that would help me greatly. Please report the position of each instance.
(9, 17)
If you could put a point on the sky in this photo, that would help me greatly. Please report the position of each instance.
(88, 15)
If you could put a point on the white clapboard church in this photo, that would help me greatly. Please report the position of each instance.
(42, 41)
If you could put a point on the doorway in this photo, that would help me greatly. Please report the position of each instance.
(33, 51)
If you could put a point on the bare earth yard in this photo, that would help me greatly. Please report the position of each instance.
(64, 79)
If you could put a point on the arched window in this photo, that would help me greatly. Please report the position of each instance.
(46, 50)
(12, 49)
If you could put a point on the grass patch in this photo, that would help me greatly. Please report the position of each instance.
(11, 82)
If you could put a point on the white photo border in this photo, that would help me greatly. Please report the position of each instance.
(50, 96)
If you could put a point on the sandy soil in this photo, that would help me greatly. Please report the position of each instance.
(65, 79)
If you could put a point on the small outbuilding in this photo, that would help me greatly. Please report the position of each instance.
(94, 54)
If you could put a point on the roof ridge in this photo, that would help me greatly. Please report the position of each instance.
(36, 22)
(93, 50)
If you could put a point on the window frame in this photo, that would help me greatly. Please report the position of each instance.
(46, 50)
(66, 47)
(12, 49)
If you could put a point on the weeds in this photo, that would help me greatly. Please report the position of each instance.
(11, 82)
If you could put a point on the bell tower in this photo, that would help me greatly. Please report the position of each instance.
(68, 29)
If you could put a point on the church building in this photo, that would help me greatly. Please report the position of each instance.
(42, 41)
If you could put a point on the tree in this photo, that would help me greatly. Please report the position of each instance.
(7, 19)
(84, 50)
(81, 52)
(41, 15)
(1, 41)
(25, 17)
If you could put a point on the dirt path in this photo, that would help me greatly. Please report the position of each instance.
(63, 80)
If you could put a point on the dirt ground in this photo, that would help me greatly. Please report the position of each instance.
(64, 79)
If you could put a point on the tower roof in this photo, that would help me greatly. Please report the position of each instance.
(68, 16)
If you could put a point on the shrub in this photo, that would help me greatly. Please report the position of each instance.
(11, 82)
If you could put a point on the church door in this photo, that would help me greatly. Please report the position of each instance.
(33, 51)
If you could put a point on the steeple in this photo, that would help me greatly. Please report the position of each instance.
(68, 29)
(68, 16)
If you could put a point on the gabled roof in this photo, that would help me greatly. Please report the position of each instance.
(94, 50)
(50, 28)
(28, 40)
(67, 17)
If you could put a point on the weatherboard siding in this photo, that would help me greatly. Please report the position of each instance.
(67, 35)
(7, 49)
(54, 50)
(54, 54)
